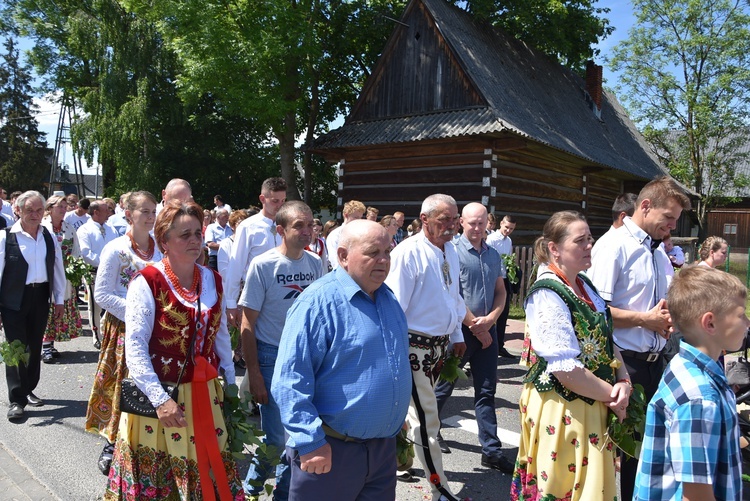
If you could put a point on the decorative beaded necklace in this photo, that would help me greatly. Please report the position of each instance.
(584, 296)
(138, 252)
(193, 293)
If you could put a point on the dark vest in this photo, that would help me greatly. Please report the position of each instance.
(16, 269)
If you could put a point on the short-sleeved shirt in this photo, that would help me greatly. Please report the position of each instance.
(631, 276)
(216, 233)
(692, 433)
(478, 273)
(274, 282)
(503, 245)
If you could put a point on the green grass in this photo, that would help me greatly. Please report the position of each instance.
(516, 313)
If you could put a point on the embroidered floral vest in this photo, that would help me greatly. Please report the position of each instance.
(594, 332)
(174, 324)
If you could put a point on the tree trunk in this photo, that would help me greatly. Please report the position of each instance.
(286, 153)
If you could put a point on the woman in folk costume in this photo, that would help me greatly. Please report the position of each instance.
(69, 326)
(576, 376)
(175, 315)
(120, 261)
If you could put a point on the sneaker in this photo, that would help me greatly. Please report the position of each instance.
(55, 353)
(105, 458)
(48, 357)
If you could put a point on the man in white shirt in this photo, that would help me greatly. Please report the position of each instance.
(254, 236)
(219, 203)
(31, 274)
(353, 210)
(215, 233)
(629, 272)
(78, 217)
(7, 209)
(424, 277)
(501, 242)
(92, 237)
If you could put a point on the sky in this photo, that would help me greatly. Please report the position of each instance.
(620, 17)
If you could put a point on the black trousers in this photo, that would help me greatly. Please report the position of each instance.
(648, 375)
(26, 325)
(213, 262)
(502, 321)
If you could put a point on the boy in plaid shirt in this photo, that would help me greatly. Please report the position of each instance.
(691, 444)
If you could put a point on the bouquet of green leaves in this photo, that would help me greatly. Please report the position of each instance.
(76, 271)
(404, 451)
(14, 353)
(511, 267)
(451, 370)
(623, 434)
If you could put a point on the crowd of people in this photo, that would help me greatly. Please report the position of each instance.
(345, 329)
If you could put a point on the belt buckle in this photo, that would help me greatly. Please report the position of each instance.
(652, 357)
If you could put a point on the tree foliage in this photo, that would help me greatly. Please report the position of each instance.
(567, 30)
(23, 148)
(686, 81)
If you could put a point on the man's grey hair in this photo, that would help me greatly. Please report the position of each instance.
(219, 211)
(28, 195)
(431, 203)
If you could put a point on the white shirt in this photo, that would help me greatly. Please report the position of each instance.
(226, 207)
(92, 240)
(139, 326)
(215, 233)
(75, 220)
(222, 257)
(630, 277)
(332, 244)
(7, 213)
(432, 307)
(503, 245)
(551, 326)
(34, 252)
(255, 235)
(118, 224)
(117, 267)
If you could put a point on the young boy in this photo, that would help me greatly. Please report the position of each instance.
(691, 446)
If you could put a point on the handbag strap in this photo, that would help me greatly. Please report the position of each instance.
(191, 349)
(744, 345)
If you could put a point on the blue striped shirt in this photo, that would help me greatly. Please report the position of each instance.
(343, 361)
(692, 433)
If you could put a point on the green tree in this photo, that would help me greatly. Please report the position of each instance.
(23, 149)
(685, 78)
(567, 30)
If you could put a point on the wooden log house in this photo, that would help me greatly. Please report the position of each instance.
(456, 106)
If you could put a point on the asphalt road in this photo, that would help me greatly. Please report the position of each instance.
(50, 451)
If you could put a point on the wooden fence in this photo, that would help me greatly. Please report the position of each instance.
(524, 259)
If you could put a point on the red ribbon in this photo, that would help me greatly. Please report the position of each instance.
(206, 441)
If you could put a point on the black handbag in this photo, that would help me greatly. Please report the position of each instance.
(738, 371)
(134, 401)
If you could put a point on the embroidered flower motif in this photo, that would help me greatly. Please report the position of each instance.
(149, 429)
(553, 456)
(543, 475)
(594, 439)
(550, 430)
(219, 432)
(176, 437)
(585, 461)
(544, 378)
(575, 442)
(572, 467)
(567, 419)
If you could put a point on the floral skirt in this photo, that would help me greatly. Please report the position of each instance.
(563, 452)
(103, 411)
(154, 462)
(68, 327)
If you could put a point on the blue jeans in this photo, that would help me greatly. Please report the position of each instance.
(270, 423)
(484, 376)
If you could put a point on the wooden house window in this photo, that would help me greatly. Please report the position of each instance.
(730, 229)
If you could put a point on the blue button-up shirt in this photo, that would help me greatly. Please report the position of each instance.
(692, 433)
(343, 361)
(479, 272)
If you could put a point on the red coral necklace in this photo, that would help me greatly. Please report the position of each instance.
(138, 252)
(190, 295)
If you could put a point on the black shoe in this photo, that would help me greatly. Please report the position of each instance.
(55, 353)
(500, 463)
(34, 401)
(505, 353)
(15, 413)
(48, 357)
(443, 446)
(97, 345)
(105, 458)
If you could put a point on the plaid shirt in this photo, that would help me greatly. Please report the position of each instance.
(692, 432)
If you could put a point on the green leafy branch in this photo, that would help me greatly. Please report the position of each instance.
(13, 353)
(451, 370)
(76, 271)
(511, 267)
(624, 433)
(404, 451)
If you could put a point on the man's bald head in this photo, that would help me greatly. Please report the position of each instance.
(474, 223)
(364, 251)
(177, 189)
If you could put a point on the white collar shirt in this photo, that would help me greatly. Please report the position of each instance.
(92, 237)
(34, 252)
(215, 233)
(630, 277)
(503, 245)
(332, 244)
(432, 306)
(255, 235)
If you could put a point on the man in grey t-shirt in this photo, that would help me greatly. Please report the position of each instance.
(274, 280)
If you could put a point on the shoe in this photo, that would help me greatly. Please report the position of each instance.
(443, 446)
(97, 344)
(15, 413)
(407, 476)
(105, 458)
(34, 401)
(55, 353)
(48, 357)
(505, 353)
(500, 463)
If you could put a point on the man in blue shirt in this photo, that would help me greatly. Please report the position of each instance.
(342, 378)
(483, 290)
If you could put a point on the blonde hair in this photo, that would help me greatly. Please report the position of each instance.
(555, 230)
(353, 206)
(697, 290)
(712, 243)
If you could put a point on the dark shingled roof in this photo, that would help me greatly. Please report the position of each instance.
(529, 95)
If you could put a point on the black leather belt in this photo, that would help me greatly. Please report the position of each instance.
(340, 436)
(648, 356)
(37, 284)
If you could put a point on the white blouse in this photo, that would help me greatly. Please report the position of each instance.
(139, 325)
(117, 267)
(551, 327)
